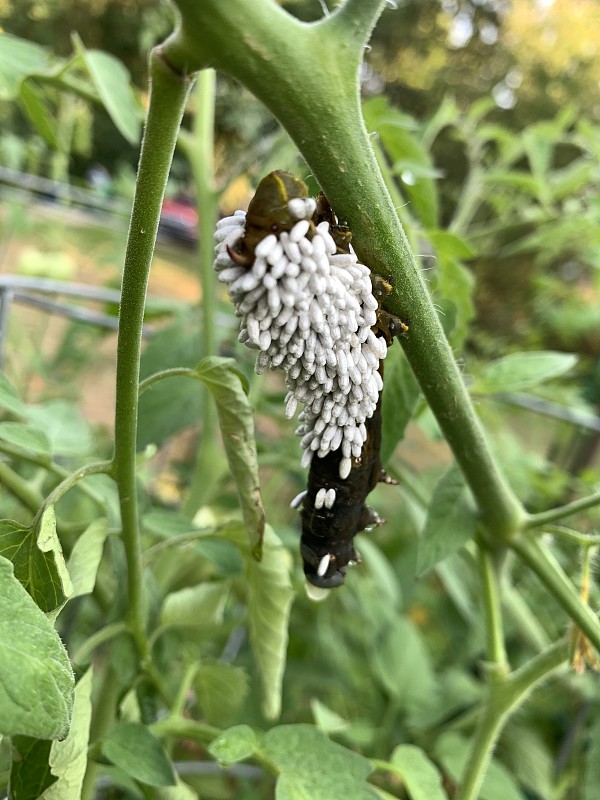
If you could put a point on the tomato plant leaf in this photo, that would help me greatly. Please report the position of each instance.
(140, 754)
(30, 773)
(312, 766)
(37, 559)
(86, 556)
(518, 371)
(113, 84)
(236, 420)
(269, 604)
(69, 758)
(421, 778)
(451, 520)
(36, 679)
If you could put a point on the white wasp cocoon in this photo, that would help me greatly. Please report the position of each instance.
(309, 310)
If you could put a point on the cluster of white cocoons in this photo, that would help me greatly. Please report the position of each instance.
(309, 311)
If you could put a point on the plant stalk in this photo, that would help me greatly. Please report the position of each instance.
(168, 94)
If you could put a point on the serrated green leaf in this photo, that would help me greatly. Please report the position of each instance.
(196, 605)
(221, 690)
(25, 436)
(140, 754)
(36, 679)
(270, 597)
(233, 745)
(38, 112)
(18, 58)
(421, 778)
(399, 399)
(30, 773)
(312, 766)
(518, 371)
(37, 559)
(69, 758)
(451, 520)
(112, 81)
(236, 420)
(86, 556)
(9, 397)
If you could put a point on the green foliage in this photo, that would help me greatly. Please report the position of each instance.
(36, 680)
(451, 521)
(187, 611)
(139, 754)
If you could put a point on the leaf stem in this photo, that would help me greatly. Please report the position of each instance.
(168, 94)
(554, 514)
(96, 468)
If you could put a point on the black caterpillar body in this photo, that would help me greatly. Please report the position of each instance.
(327, 543)
(330, 532)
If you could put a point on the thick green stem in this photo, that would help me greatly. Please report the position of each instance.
(504, 696)
(314, 68)
(167, 101)
(551, 574)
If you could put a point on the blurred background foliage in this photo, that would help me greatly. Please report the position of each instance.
(486, 119)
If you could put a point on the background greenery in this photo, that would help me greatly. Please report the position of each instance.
(489, 142)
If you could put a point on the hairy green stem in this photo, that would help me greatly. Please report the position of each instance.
(314, 68)
(504, 696)
(167, 101)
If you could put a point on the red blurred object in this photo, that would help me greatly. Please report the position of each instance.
(179, 219)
